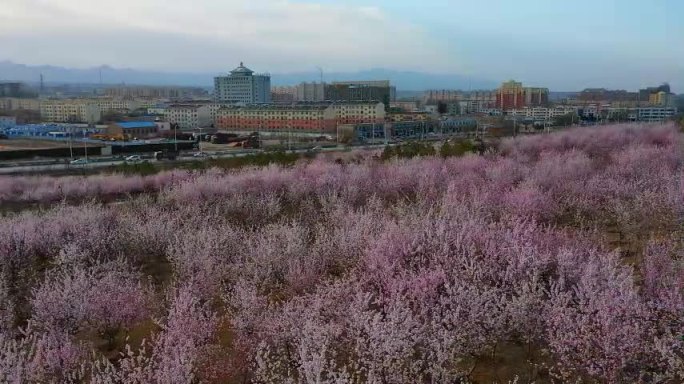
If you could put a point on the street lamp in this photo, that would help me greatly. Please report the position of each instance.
(289, 138)
(71, 138)
(85, 145)
(199, 143)
(175, 138)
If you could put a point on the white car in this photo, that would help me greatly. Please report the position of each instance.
(200, 154)
(79, 162)
(133, 159)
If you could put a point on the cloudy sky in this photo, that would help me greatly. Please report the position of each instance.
(556, 43)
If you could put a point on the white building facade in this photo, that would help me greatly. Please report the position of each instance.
(70, 111)
(311, 92)
(189, 116)
(242, 86)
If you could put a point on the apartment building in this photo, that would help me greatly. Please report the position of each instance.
(242, 85)
(543, 113)
(111, 104)
(83, 110)
(214, 108)
(14, 103)
(359, 112)
(151, 92)
(512, 95)
(283, 94)
(608, 96)
(442, 95)
(295, 118)
(535, 96)
(468, 102)
(653, 114)
(355, 91)
(70, 111)
(407, 106)
(189, 116)
(311, 92)
(304, 117)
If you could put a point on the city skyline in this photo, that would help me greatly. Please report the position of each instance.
(624, 45)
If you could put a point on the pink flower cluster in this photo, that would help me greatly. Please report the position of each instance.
(564, 248)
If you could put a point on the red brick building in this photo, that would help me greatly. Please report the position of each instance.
(310, 118)
(512, 95)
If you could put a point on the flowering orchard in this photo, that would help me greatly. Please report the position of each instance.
(554, 258)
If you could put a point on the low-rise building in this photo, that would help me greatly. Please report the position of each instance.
(544, 113)
(283, 94)
(7, 122)
(157, 109)
(406, 106)
(133, 129)
(304, 117)
(408, 116)
(213, 111)
(359, 112)
(295, 118)
(189, 116)
(111, 104)
(155, 92)
(653, 114)
(14, 103)
(70, 111)
(88, 110)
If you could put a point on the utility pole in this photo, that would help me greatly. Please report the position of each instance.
(175, 138)
(71, 139)
(199, 143)
(320, 70)
(515, 126)
(85, 145)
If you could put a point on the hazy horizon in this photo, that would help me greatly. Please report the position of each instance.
(562, 46)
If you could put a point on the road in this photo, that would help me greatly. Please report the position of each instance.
(27, 167)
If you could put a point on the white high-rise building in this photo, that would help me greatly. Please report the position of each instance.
(242, 86)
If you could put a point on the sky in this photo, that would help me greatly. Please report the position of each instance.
(563, 45)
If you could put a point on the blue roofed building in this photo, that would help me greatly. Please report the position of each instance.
(133, 129)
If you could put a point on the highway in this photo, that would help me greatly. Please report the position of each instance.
(59, 165)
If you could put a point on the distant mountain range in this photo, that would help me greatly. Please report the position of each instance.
(403, 80)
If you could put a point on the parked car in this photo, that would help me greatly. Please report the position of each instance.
(200, 154)
(79, 162)
(133, 159)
